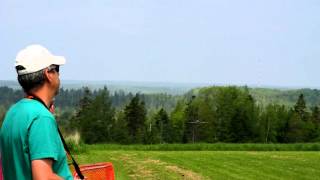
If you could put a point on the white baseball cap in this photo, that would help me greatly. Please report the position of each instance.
(35, 58)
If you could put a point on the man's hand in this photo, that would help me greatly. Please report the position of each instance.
(42, 170)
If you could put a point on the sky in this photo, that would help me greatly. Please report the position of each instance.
(238, 42)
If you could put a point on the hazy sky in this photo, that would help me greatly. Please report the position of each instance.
(260, 42)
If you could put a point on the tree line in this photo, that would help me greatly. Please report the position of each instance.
(68, 99)
(211, 114)
(214, 114)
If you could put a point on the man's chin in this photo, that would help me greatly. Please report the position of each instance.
(57, 92)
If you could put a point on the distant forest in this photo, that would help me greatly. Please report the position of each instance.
(209, 114)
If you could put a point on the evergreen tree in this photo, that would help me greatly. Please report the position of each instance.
(283, 116)
(298, 127)
(135, 115)
(243, 124)
(315, 134)
(95, 118)
(191, 122)
(226, 112)
(177, 118)
(295, 128)
(316, 115)
(300, 107)
(207, 115)
(83, 110)
(163, 126)
(120, 129)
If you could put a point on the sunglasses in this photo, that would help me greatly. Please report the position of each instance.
(53, 68)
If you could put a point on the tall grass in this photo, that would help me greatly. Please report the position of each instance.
(209, 147)
(74, 143)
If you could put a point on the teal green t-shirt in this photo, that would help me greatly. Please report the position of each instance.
(29, 132)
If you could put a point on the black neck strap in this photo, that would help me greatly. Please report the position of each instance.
(74, 163)
(37, 99)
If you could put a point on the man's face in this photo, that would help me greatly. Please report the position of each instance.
(58, 84)
(54, 69)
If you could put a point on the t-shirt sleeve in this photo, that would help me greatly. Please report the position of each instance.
(43, 139)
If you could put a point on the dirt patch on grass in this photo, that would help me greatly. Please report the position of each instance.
(153, 161)
(125, 158)
(149, 169)
(185, 174)
(135, 169)
(280, 157)
(141, 173)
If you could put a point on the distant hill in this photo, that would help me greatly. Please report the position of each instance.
(286, 97)
(126, 86)
(263, 96)
(10, 84)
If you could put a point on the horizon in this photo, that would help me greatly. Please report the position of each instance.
(167, 84)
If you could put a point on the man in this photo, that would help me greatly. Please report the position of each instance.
(30, 143)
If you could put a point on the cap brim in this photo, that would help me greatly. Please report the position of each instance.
(59, 60)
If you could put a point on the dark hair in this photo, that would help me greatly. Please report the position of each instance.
(31, 81)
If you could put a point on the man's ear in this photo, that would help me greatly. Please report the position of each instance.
(48, 76)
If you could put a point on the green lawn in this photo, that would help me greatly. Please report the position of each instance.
(131, 164)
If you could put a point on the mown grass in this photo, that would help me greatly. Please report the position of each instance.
(236, 161)
(208, 164)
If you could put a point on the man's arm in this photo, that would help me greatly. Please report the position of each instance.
(42, 170)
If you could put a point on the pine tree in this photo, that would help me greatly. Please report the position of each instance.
(191, 115)
(226, 112)
(82, 112)
(95, 117)
(177, 119)
(207, 115)
(135, 115)
(298, 127)
(163, 126)
(315, 132)
(243, 123)
(295, 128)
(300, 107)
(316, 115)
(281, 123)
(120, 129)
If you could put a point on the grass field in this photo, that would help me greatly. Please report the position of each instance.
(153, 164)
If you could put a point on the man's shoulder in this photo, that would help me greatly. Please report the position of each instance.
(31, 107)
